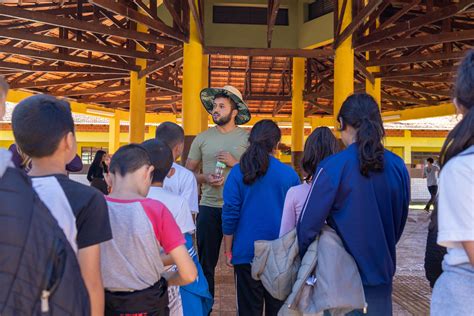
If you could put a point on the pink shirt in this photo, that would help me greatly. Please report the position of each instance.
(294, 202)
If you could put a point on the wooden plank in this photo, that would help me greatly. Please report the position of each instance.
(136, 16)
(416, 72)
(66, 69)
(272, 11)
(340, 18)
(415, 23)
(394, 18)
(413, 88)
(165, 61)
(38, 16)
(66, 57)
(99, 90)
(373, 18)
(357, 21)
(363, 69)
(126, 97)
(174, 14)
(271, 52)
(165, 85)
(419, 41)
(386, 96)
(281, 98)
(66, 81)
(197, 19)
(415, 59)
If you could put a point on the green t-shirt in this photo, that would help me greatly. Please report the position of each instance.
(205, 148)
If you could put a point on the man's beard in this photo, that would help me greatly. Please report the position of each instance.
(223, 120)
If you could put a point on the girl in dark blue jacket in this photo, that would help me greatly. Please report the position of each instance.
(363, 193)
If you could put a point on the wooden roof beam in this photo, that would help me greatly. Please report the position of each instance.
(165, 61)
(197, 18)
(390, 97)
(409, 87)
(271, 52)
(272, 12)
(64, 69)
(416, 72)
(415, 59)
(164, 85)
(66, 81)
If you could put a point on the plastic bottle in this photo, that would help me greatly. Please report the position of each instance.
(220, 167)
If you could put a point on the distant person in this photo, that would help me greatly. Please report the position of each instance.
(431, 172)
(254, 195)
(453, 291)
(96, 172)
(363, 193)
(44, 130)
(320, 144)
(133, 262)
(192, 299)
(218, 149)
(183, 182)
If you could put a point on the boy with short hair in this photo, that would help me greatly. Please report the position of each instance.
(195, 297)
(182, 182)
(44, 130)
(132, 266)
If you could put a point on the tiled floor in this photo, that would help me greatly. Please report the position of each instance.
(411, 293)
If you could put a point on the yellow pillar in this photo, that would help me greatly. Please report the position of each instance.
(151, 132)
(138, 99)
(114, 134)
(297, 112)
(205, 84)
(407, 147)
(375, 89)
(343, 63)
(192, 85)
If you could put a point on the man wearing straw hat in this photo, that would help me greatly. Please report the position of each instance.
(218, 149)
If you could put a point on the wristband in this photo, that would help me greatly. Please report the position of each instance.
(228, 255)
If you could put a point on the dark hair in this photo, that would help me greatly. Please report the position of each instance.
(128, 159)
(39, 123)
(225, 96)
(430, 160)
(319, 145)
(263, 139)
(3, 86)
(170, 133)
(462, 135)
(161, 158)
(97, 162)
(362, 113)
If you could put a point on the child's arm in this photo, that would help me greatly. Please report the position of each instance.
(228, 240)
(187, 271)
(89, 262)
(167, 260)
(469, 248)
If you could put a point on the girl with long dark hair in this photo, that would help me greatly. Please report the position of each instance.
(452, 293)
(319, 145)
(95, 175)
(363, 193)
(254, 194)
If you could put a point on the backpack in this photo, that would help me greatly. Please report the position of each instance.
(39, 271)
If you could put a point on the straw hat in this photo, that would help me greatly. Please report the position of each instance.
(208, 95)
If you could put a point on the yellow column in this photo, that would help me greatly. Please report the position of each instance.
(138, 99)
(343, 63)
(205, 84)
(192, 84)
(407, 147)
(151, 132)
(297, 112)
(114, 134)
(375, 89)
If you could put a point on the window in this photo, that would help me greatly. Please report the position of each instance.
(88, 154)
(319, 8)
(246, 15)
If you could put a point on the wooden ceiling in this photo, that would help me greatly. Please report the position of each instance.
(84, 51)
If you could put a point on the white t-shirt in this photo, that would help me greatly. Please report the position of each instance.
(456, 206)
(183, 183)
(178, 207)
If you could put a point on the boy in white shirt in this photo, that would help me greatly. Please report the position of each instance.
(182, 182)
(192, 299)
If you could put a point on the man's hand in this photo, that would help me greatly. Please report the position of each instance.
(214, 180)
(227, 158)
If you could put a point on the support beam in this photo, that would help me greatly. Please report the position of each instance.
(297, 113)
(271, 52)
(59, 69)
(272, 12)
(343, 64)
(114, 135)
(66, 81)
(420, 58)
(416, 72)
(165, 61)
(192, 84)
(390, 97)
(197, 19)
(137, 99)
(165, 85)
(413, 88)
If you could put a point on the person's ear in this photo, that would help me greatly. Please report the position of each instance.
(171, 172)
(149, 172)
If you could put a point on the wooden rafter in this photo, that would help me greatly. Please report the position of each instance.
(197, 18)
(59, 69)
(419, 58)
(66, 81)
(270, 52)
(416, 72)
(272, 12)
(419, 89)
(165, 61)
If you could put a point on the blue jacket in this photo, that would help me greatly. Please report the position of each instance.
(368, 213)
(253, 212)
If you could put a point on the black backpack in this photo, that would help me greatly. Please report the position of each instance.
(39, 272)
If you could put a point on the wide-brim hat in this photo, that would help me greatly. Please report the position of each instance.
(209, 94)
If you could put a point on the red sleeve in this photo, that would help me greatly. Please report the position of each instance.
(166, 230)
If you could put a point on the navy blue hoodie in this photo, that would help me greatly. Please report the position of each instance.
(368, 213)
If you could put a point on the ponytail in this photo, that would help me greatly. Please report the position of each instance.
(263, 139)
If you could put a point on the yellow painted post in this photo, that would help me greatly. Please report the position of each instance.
(151, 132)
(192, 85)
(343, 63)
(297, 112)
(375, 89)
(138, 98)
(114, 134)
(205, 84)
(407, 147)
